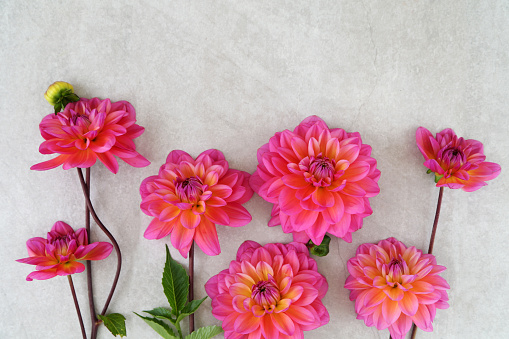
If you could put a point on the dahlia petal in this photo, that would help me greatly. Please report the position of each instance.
(109, 161)
(190, 220)
(304, 219)
(238, 303)
(309, 295)
(423, 137)
(42, 274)
(429, 298)
(269, 330)
(169, 213)
(283, 323)
(390, 311)
(217, 215)
(240, 289)
(102, 143)
(294, 293)
(46, 165)
(181, 236)
(237, 214)
(94, 251)
(400, 327)
(300, 315)
(323, 197)
(409, 304)
(36, 246)
(353, 189)
(158, 229)
(317, 232)
(206, 238)
(137, 161)
(70, 267)
(356, 171)
(295, 181)
(422, 318)
(422, 287)
(374, 297)
(394, 293)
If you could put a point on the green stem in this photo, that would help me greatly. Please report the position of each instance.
(177, 325)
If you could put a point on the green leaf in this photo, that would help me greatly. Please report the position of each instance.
(205, 332)
(438, 177)
(190, 308)
(115, 322)
(175, 283)
(162, 313)
(72, 97)
(322, 250)
(159, 326)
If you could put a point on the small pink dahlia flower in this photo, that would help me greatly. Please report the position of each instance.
(58, 254)
(269, 292)
(456, 162)
(189, 197)
(393, 286)
(88, 130)
(318, 179)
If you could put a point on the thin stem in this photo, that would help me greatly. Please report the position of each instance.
(109, 235)
(435, 223)
(191, 285)
(73, 292)
(91, 303)
(177, 326)
(432, 240)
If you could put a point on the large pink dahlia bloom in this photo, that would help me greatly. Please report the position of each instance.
(190, 196)
(456, 162)
(318, 179)
(91, 129)
(393, 286)
(57, 254)
(270, 292)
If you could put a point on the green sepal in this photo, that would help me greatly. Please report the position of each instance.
(115, 323)
(205, 332)
(429, 171)
(159, 326)
(175, 283)
(438, 177)
(321, 250)
(162, 313)
(190, 308)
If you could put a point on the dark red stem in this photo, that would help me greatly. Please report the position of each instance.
(432, 240)
(109, 235)
(191, 285)
(91, 304)
(73, 292)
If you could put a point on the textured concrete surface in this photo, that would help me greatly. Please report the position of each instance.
(228, 75)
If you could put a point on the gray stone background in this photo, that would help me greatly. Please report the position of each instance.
(228, 75)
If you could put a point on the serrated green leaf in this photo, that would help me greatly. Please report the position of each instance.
(162, 313)
(205, 332)
(322, 250)
(115, 323)
(190, 308)
(175, 283)
(159, 326)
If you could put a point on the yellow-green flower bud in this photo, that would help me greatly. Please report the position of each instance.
(59, 94)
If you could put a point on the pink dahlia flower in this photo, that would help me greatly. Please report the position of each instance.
(270, 292)
(318, 179)
(189, 197)
(393, 286)
(88, 130)
(456, 162)
(57, 254)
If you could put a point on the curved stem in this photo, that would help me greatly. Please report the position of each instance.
(73, 292)
(109, 235)
(432, 240)
(91, 304)
(191, 286)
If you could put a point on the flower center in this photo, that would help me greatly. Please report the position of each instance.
(396, 269)
(78, 119)
(189, 189)
(454, 155)
(265, 293)
(322, 168)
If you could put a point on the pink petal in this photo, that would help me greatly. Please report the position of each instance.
(206, 238)
(158, 229)
(109, 161)
(94, 251)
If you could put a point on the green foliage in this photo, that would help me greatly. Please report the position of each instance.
(115, 322)
(175, 283)
(176, 288)
(322, 250)
(159, 326)
(205, 332)
(66, 96)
